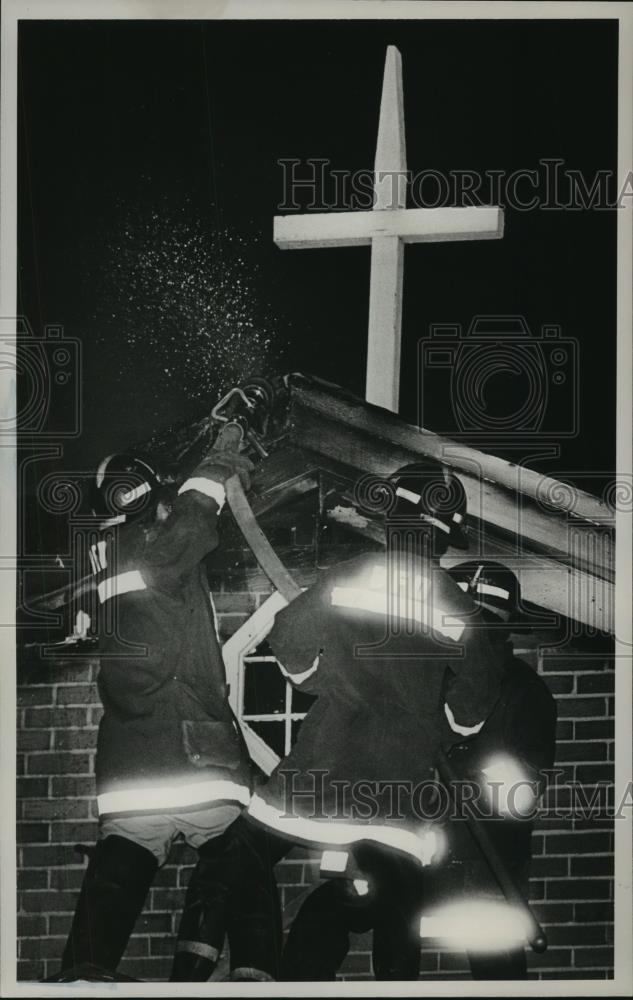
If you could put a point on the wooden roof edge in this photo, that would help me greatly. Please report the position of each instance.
(329, 400)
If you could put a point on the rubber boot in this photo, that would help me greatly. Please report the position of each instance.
(204, 918)
(112, 896)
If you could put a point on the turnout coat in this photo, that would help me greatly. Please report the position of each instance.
(168, 740)
(515, 749)
(391, 656)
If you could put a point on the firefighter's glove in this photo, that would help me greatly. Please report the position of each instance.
(221, 465)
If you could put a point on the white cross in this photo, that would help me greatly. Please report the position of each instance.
(386, 228)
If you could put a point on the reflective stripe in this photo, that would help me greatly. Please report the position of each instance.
(422, 847)
(92, 555)
(486, 588)
(458, 518)
(117, 519)
(134, 494)
(198, 948)
(101, 551)
(300, 678)
(462, 730)
(362, 886)
(435, 521)
(334, 861)
(209, 487)
(364, 599)
(408, 495)
(123, 583)
(159, 797)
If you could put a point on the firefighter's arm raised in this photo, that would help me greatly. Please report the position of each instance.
(190, 532)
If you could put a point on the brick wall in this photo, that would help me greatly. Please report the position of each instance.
(58, 714)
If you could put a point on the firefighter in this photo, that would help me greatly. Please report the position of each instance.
(513, 750)
(508, 761)
(171, 762)
(391, 647)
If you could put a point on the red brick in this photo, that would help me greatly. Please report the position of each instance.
(554, 958)
(30, 971)
(454, 961)
(603, 683)
(590, 773)
(74, 787)
(74, 833)
(44, 718)
(167, 876)
(594, 912)
(31, 925)
(43, 901)
(58, 763)
(32, 879)
(31, 788)
(578, 843)
(161, 945)
(577, 934)
(47, 947)
(46, 857)
(66, 879)
(587, 958)
(561, 683)
(155, 923)
(579, 751)
(553, 913)
(78, 694)
(592, 866)
(574, 708)
(75, 739)
(55, 809)
(32, 833)
(34, 739)
(60, 923)
(167, 899)
(544, 867)
(564, 730)
(594, 729)
(587, 888)
(40, 694)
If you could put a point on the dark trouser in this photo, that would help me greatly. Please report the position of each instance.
(112, 896)
(232, 892)
(319, 937)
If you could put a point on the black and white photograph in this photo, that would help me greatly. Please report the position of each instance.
(317, 490)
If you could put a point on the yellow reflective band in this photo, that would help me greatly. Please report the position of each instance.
(198, 948)
(402, 606)
(158, 797)
(422, 847)
(334, 861)
(215, 491)
(138, 491)
(114, 586)
(462, 730)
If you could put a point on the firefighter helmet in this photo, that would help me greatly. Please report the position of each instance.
(125, 488)
(494, 587)
(431, 492)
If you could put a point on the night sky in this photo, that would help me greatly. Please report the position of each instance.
(149, 178)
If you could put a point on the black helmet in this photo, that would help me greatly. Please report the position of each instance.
(125, 488)
(494, 587)
(431, 492)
